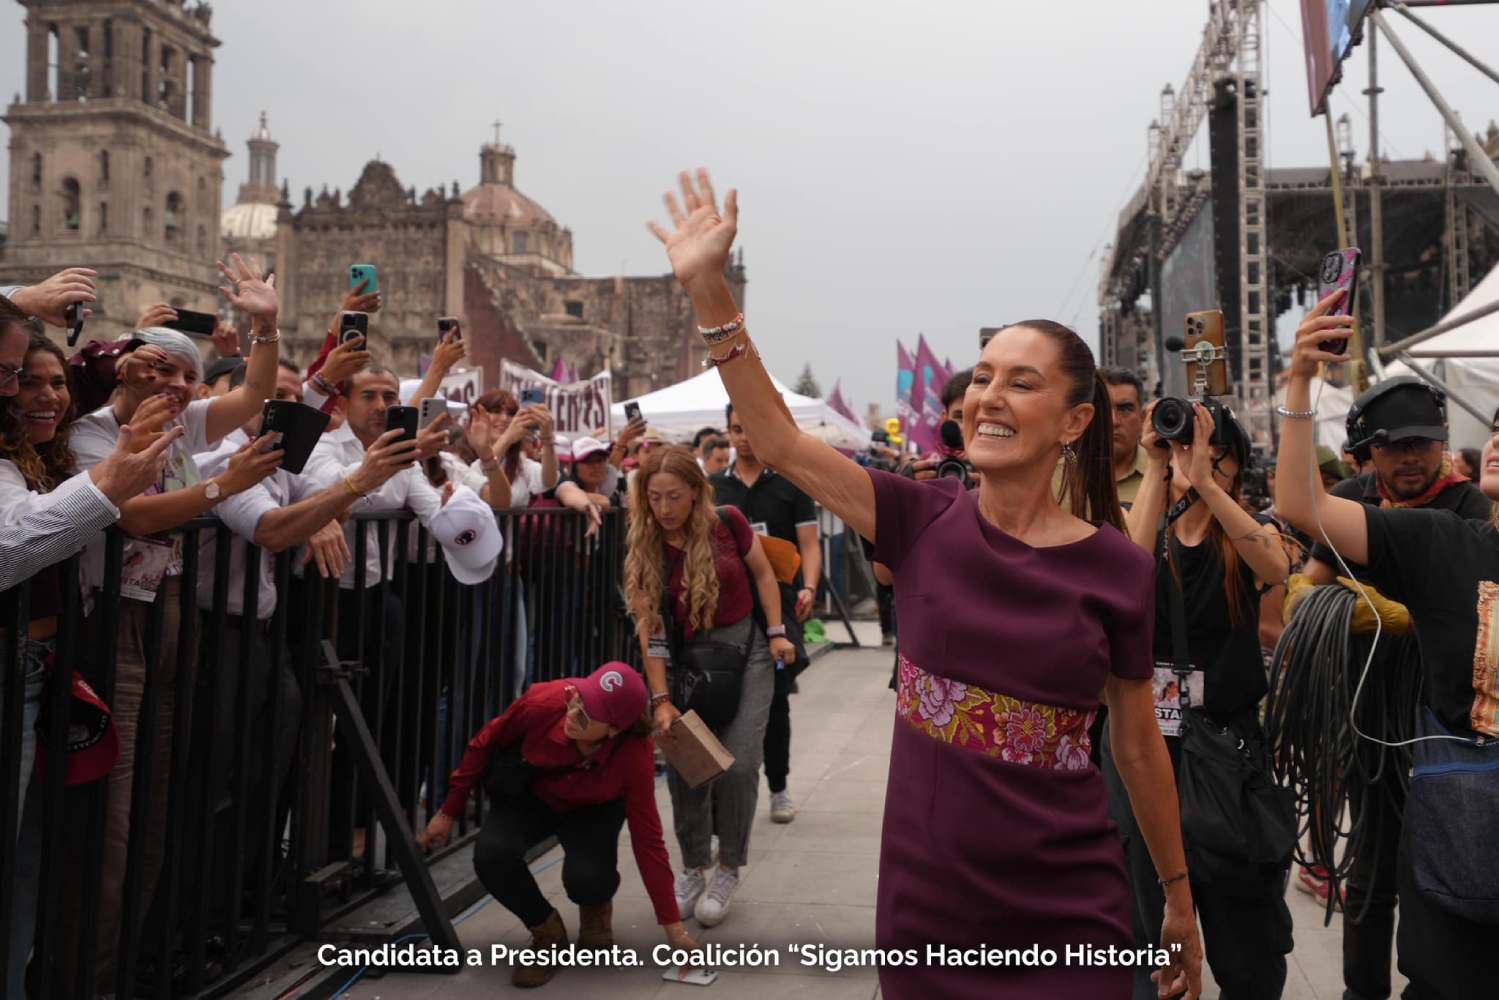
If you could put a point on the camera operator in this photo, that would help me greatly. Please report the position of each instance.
(1444, 569)
(1399, 427)
(948, 461)
(1221, 558)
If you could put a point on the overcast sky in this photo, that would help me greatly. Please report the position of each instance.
(903, 167)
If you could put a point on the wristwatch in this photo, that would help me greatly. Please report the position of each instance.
(212, 490)
(776, 632)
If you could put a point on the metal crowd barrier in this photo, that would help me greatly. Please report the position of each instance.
(258, 852)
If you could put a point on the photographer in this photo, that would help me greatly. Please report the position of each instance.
(948, 460)
(1399, 428)
(1445, 571)
(1213, 563)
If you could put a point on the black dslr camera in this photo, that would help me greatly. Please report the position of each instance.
(951, 466)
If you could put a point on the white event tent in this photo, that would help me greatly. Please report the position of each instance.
(679, 411)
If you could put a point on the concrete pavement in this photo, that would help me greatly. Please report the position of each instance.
(812, 881)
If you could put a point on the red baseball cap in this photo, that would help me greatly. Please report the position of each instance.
(93, 745)
(614, 693)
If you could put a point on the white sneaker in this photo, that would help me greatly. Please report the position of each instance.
(713, 905)
(782, 809)
(690, 885)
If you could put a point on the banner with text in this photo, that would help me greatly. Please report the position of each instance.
(579, 407)
(463, 386)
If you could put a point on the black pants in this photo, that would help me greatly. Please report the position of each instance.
(589, 836)
(1445, 957)
(1246, 940)
(778, 734)
(1369, 935)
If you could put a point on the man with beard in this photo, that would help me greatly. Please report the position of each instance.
(1399, 427)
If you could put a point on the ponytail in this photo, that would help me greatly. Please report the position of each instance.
(1088, 482)
(1095, 495)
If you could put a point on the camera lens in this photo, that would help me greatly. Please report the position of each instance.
(1172, 420)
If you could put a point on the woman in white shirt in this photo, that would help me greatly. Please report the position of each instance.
(497, 430)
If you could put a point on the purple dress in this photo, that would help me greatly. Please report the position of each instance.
(996, 829)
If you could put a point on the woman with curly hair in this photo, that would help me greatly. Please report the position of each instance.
(703, 568)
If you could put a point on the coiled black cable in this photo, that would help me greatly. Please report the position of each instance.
(1315, 749)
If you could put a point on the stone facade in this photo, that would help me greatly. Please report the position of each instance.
(114, 163)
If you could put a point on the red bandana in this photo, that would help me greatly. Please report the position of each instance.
(1445, 478)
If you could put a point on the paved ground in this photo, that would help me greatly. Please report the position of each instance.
(810, 881)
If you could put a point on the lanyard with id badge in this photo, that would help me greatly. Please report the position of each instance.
(1175, 681)
(146, 561)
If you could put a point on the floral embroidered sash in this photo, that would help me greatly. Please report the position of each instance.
(993, 724)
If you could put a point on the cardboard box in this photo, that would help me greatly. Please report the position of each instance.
(690, 747)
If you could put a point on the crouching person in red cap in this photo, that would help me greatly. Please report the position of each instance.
(572, 758)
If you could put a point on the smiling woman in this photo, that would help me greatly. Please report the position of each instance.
(1015, 614)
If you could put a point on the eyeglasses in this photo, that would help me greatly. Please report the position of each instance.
(8, 375)
(576, 705)
(1404, 444)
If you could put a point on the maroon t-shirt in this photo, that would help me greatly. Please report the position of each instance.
(732, 537)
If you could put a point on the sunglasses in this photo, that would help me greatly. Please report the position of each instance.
(576, 706)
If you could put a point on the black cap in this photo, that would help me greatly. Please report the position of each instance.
(1405, 411)
(220, 368)
(1230, 434)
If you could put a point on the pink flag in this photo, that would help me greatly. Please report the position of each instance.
(907, 400)
(836, 401)
(561, 373)
(930, 377)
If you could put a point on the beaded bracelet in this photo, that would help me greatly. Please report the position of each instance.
(738, 350)
(718, 334)
(1296, 414)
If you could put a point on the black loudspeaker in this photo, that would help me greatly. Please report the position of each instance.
(1223, 157)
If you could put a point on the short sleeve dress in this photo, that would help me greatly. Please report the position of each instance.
(996, 828)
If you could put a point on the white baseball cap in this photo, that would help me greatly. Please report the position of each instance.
(586, 446)
(469, 536)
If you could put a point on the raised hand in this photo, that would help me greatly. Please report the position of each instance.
(433, 438)
(251, 464)
(480, 432)
(360, 302)
(1316, 328)
(699, 242)
(1196, 459)
(248, 292)
(49, 300)
(448, 354)
(138, 369)
(520, 425)
(544, 423)
(226, 340)
(159, 314)
(345, 361)
(383, 459)
(151, 418)
(135, 464)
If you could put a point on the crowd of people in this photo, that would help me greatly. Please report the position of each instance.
(1085, 615)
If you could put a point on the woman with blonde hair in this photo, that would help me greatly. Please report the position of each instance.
(692, 575)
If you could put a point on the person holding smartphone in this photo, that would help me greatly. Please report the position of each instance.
(1219, 559)
(1444, 569)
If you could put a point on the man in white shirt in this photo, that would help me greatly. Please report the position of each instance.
(369, 396)
(282, 511)
(157, 384)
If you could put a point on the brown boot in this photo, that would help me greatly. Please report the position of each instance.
(594, 928)
(549, 935)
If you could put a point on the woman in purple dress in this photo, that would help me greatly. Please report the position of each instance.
(1015, 615)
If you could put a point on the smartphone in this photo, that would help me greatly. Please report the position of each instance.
(73, 318)
(1205, 354)
(432, 408)
(1339, 270)
(696, 977)
(353, 324)
(632, 413)
(364, 274)
(195, 323)
(533, 397)
(300, 427)
(402, 418)
(448, 328)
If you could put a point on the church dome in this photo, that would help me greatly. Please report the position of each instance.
(249, 221)
(500, 204)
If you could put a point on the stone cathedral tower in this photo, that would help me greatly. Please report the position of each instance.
(114, 160)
